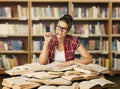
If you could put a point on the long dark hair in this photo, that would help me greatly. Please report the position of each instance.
(67, 19)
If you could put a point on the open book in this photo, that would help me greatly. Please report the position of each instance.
(73, 77)
(53, 67)
(91, 68)
(89, 76)
(80, 77)
(56, 81)
(72, 72)
(55, 73)
(89, 85)
(103, 82)
(26, 68)
(72, 86)
(40, 75)
(47, 87)
(19, 83)
(99, 82)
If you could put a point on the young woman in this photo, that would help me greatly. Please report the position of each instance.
(61, 46)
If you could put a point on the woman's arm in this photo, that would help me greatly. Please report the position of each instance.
(86, 58)
(43, 58)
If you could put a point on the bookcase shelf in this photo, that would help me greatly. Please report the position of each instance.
(92, 19)
(98, 18)
(115, 35)
(14, 33)
(15, 52)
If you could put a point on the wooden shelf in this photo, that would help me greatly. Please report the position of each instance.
(91, 19)
(14, 51)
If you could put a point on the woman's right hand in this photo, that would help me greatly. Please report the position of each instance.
(48, 36)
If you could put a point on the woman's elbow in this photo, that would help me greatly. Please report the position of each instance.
(90, 59)
(41, 62)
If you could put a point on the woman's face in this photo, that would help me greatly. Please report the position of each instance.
(61, 29)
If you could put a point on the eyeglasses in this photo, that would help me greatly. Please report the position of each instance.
(63, 29)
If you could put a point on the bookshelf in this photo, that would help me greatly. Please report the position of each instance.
(14, 33)
(44, 16)
(115, 35)
(91, 26)
(94, 22)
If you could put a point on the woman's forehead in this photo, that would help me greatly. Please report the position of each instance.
(62, 23)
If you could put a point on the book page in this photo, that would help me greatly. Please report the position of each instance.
(94, 67)
(56, 81)
(102, 81)
(17, 72)
(73, 77)
(9, 82)
(59, 69)
(40, 75)
(59, 81)
(73, 86)
(56, 73)
(78, 68)
(72, 72)
(89, 76)
(31, 66)
(88, 85)
(98, 68)
(47, 87)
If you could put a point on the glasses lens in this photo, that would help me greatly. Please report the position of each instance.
(61, 28)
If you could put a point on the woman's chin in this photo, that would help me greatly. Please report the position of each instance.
(59, 37)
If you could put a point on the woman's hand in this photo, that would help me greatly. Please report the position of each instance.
(48, 36)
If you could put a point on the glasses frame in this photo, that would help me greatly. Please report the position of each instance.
(63, 29)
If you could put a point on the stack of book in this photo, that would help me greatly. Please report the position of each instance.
(49, 76)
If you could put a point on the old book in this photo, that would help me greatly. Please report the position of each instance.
(47, 87)
(53, 67)
(73, 77)
(19, 82)
(40, 75)
(89, 85)
(104, 82)
(98, 83)
(31, 66)
(56, 73)
(72, 72)
(56, 81)
(26, 86)
(98, 68)
(90, 76)
(73, 86)
(91, 68)
(17, 72)
(83, 70)
(26, 68)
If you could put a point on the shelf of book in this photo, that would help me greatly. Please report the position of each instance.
(14, 33)
(115, 35)
(96, 24)
(44, 16)
(91, 22)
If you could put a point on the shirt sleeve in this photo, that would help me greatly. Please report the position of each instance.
(76, 42)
